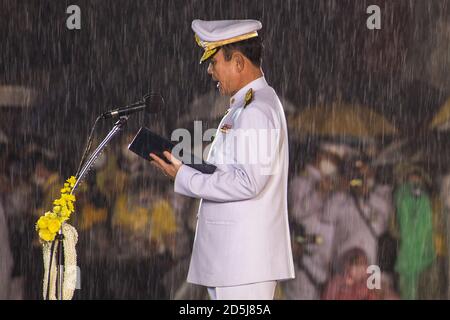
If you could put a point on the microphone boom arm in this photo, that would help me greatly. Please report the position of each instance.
(90, 162)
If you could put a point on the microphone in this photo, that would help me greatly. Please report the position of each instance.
(151, 103)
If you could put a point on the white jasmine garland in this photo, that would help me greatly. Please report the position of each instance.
(70, 264)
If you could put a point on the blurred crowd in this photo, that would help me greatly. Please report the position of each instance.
(361, 232)
(135, 234)
(358, 231)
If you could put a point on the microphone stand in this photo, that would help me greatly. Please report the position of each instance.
(118, 126)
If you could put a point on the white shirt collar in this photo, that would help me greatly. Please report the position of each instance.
(237, 100)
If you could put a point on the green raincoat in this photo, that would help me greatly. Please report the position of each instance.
(416, 252)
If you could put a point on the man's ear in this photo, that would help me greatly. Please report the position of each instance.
(239, 61)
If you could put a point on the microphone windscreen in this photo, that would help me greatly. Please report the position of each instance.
(154, 102)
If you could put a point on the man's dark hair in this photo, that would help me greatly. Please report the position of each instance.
(251, 48)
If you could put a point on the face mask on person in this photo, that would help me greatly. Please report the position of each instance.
(327, 167)
(417, 189)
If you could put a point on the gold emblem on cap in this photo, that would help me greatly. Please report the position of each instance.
(211, 47)
(248, 97)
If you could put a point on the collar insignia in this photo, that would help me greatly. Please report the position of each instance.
(248, 97)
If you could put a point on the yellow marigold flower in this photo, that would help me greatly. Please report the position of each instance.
(65, 212)
(60, 202)
(42, 222)
(68, 197)
(65, 190)
(50, 214)
(46, 235)
(49, 224)
(72, 181)
(54, 225)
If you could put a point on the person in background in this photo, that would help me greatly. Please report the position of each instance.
(350, 283)
(414, 216)
(13, 212)
(360, 213)
(310, 233)
(445, 225)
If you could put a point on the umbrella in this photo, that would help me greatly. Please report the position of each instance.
(441, 121)
(16, 96)
(398, 151)
(340, 120)
(16, 103)
(432, 151)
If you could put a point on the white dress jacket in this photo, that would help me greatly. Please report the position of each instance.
(242, 233)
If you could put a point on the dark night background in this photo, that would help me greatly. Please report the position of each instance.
(315, 51)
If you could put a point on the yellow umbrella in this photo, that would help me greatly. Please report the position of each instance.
(441, 120)
(340, 119)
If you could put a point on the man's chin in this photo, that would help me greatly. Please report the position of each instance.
(221, 90)
(219, 87)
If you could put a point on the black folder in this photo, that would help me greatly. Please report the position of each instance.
(146, 142)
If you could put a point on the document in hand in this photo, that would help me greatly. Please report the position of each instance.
(146, 142)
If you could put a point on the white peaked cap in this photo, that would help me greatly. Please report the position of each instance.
(218, 30)
(210, 35)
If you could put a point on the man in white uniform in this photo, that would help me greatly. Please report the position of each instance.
(242, 243)
(308, 194)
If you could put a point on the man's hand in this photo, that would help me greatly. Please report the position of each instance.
(169, 170)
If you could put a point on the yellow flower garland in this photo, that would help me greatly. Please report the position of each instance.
(49, 224)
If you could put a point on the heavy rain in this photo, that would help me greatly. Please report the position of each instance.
(368, 119)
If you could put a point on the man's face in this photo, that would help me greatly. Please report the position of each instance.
(224, 73)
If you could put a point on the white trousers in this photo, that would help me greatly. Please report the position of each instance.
(252, 291)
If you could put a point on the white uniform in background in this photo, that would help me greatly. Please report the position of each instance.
(306, 209)
(350, 229)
